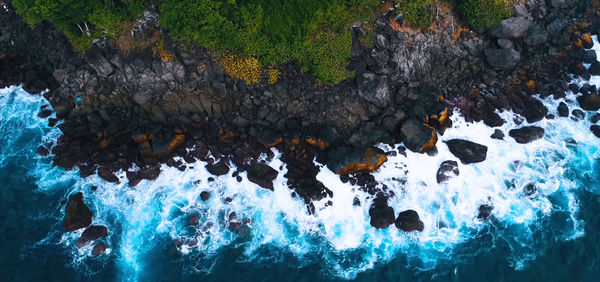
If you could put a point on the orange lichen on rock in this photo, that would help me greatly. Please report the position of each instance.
(441, 99)
(386, 7)
(431, 143)
(104, 143)
(317, 143)
(272, 144)
(394, 25)
(226, 135)
(373, 160)
(139, 138)
(444, 116)
(176, 142)
(459, 31)
(530, 85)
(587, 38)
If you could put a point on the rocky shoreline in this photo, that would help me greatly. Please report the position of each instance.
(118, 109)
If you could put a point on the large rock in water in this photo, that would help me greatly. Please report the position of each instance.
(502, 59)
(416, 136)
(408, 221)
(535, 111)
(92, 233)
(447, 170)
(513, 28)
(381, 214)
(526, 134)
(262, 175)
(589, 102)
(77, 214)
(468, 152)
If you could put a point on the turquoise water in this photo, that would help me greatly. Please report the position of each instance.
(551, 235)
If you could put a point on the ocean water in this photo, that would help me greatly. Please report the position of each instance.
(551, 235)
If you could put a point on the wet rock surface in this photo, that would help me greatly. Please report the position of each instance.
(91, 234)
(408, 221)
(468, 152)
(381, 214)
(447, 170)
(77, 214)
(526, 134)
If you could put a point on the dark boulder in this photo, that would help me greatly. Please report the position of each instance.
(42, 151)
(381, 214)
(529, 190)
(92, 233)
(99, 249)
(262, 175)
(447, 170)
(149, 173)
(408, 221)
(107, 175)
(526, 134)
(577, 114)
(133, 178)
(513, 28)
(535, 111)
(589, 102)
(204, 196)
(416, 135)
(595, 129)
(77, 214)
(502, 59)
(219, 168)
(498, 134)
(468, 152)
(563, 110)
(485, 211)
(44, 113)
(595, 68)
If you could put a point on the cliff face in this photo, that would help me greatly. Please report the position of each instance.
(122, 108)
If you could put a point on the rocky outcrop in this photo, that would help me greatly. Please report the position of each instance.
(381, 214)
(408, 221)
(526, 134)
(468, 152)
(262, 175)
(91, 234)
(77, 214)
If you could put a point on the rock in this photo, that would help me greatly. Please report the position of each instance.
(498, 134)
(107, 175)
(447, 170)
(374, 88)
(133, 178)
(381, 41)
(219, 168)
(595, 118)
(595, 68)
(408, 221)
(589, 56)
(595, 129)
(269, 138)
(417, 136)
(346, 160)
(529, 190)
(485, 211)
(502, 59)
(563, 110)
(558, 3)
(149, 173)
(262, 175)
(535, 111)
(204, 196)
(505, 43)
(381, 214)
(193, 219)
(44, 113)
(589, 102)
(513, 28)
(92, 233)
(578, 114)
(468, 152)
(99, 249)
(536, 36)
(526, 134)
(77, 214)
(42, 151)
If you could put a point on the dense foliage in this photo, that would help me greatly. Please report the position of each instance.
(81, 21)
(482, 14)
(313, 33)
(416, 12)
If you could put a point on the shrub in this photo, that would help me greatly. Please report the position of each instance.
(273, 75)
(483, 14)
(245, 68)
(416, 12)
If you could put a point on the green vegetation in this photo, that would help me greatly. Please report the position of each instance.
(416, 12)
(81, 21)
(482, 14)
(313, 33)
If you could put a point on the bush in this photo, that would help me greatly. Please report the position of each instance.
(248, 69)
(416, 12)
(483, 14)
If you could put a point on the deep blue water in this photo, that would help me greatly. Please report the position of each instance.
(550, 236)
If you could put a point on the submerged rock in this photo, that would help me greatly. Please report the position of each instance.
(77, 214)
(529, 190)
(42, 151)
(381, 214)
(485, 211)
(447, 170)
(468, 152)
(92, 233)
(408, 221)
(99, 249)
(526, 134)
(262, 175)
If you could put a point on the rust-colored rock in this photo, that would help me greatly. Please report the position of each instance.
(372, 161)
(431, 143)
(317, 143)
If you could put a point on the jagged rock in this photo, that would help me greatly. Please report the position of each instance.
(219, 168)
(526, 134)
(408, 221)
(563, 110)
(589, 102)
(416, 136)
(498, 134)
(381, 214)
(262, 175)
(92, 233)
(468, 152)
(513, 27)
(77, 214)
(346, 160)
(502, 59)
(447, 170)
(577, 114)
(535, 111)
(374, 88)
